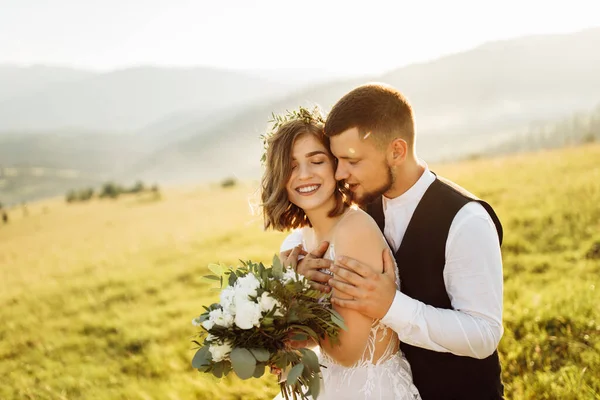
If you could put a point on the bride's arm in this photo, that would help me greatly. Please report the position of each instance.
(357, 236)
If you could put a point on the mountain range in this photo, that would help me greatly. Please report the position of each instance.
(174, 125)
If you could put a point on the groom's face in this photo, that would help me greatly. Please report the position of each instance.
(361, 165)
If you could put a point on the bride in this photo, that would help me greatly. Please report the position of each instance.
(299, 191)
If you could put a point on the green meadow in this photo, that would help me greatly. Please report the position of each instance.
(97, 298)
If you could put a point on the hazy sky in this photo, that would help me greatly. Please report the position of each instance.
(348, 37)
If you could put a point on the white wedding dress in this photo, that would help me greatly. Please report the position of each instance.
(387, 378)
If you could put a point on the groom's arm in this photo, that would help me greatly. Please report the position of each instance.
(473, 279)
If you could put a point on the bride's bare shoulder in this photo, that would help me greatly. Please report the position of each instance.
(355, 218)
(358, 236)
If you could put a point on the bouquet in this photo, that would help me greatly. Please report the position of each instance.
(260, 310)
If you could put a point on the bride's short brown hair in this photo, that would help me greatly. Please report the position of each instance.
(279, 213)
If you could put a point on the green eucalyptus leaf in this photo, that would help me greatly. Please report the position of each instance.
(282, 361)
(202, 358)
(307, 330)
(212, 277)
(243, 362)
(259, 370)
(261, 355)
(310, 359)
(294, 374)
(314, 384)
(218, 369)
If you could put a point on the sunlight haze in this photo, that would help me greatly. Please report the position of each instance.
(338, 37)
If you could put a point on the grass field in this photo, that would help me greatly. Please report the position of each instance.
(96, 299)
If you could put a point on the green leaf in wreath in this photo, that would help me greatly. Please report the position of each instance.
(212, 277)
(243, 363)
(201, 358)
(294, 374)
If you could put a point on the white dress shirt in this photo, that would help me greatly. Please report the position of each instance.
(472, 276)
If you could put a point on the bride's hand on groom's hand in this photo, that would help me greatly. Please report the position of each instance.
(371, 293)
(289, 258)
(309, 267)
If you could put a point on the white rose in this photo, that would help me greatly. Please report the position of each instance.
(196, 321)
(219, 352)
(248, 314)
(247, 284)
(267, 302)
(221, 318)
(226, 300)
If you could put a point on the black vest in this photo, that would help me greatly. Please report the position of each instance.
(421, 260)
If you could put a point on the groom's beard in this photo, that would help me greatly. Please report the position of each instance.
(368, 197)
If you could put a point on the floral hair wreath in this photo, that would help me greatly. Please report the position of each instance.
(303, 114)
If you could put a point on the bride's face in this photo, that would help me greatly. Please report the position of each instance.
(312, 183)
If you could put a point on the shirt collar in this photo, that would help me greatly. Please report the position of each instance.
(415, 192)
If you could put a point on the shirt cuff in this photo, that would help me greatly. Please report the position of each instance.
(402, 312)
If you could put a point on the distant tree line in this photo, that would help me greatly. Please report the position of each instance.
(109, 190)
(579, 128)
(4, 214)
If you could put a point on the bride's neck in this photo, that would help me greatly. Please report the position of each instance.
(322, 223)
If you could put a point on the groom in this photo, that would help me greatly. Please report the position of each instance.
(446, 243)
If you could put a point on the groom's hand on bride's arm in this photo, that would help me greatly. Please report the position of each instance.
(371, 293)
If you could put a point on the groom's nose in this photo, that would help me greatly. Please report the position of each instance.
(341, 173)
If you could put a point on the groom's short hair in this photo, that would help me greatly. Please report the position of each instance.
(375, 109)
